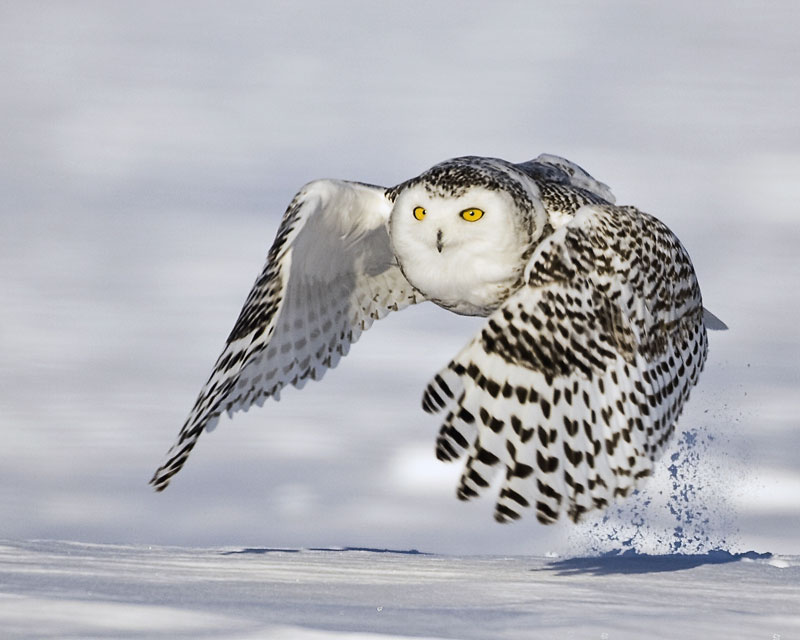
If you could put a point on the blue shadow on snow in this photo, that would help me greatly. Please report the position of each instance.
(630, 561)
(263, 550)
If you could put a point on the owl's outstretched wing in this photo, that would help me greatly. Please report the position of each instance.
(329, 274)
(574, 385)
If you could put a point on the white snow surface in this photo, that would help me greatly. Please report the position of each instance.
(76, 590)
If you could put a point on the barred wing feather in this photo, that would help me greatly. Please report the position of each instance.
(329, 274)
(574, 386)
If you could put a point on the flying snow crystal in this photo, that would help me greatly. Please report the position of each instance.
(685, 509)
(595, 335)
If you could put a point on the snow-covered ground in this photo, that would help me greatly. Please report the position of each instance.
(147, 152)
(95, 591)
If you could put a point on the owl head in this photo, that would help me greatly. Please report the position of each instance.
(460, 231)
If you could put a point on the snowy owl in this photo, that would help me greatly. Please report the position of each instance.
(595, 334)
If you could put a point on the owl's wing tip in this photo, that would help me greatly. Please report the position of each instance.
(159, 482)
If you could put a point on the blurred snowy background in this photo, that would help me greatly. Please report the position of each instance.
(148, 150)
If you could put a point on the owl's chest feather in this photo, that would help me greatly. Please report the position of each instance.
(461, 280)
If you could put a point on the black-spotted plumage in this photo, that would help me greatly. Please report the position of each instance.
(595, 332)
(578, 378)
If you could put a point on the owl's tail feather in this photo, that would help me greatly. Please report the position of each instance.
(712, 322)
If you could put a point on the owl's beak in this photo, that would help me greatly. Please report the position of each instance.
(439, 243)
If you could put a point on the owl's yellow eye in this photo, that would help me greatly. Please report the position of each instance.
(472, 215)
(419, 213)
